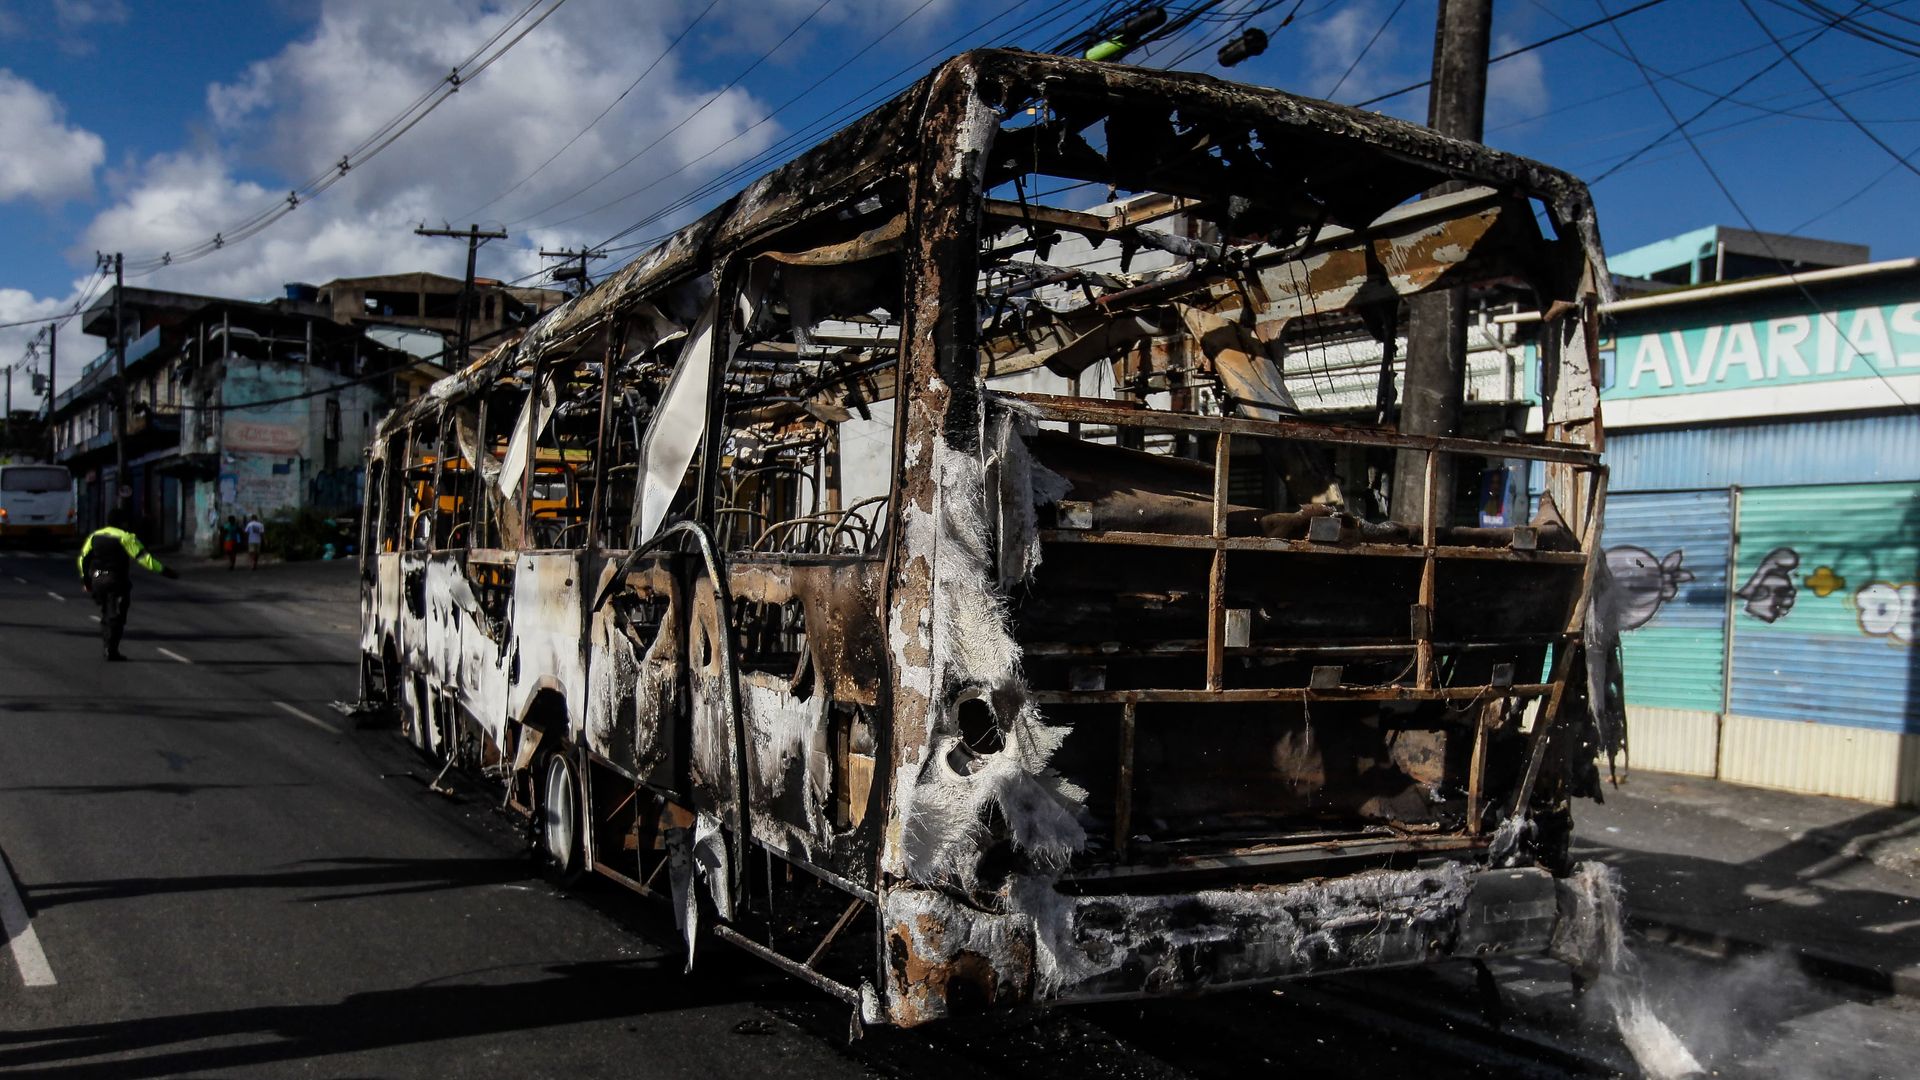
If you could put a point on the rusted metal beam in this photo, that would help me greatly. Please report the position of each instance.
(1267, 856)
(1123, 787)
(820, 950)
(1217, 575)
(1289, 693)
(1306, 547)
(1126, 215)
(1423, 623)
(1093, 411)
(792, 967)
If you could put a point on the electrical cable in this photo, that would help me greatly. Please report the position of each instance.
(568, 145)
(1787, 54)
(815, 85)
(1727, 192)
(663, 136)
(1710, 105)
(1381, 29)
(854, 107)
(1864, 188)
(1768, 119)
(381, 138)
(1511, 53)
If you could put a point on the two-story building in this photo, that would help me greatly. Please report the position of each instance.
(233, 408)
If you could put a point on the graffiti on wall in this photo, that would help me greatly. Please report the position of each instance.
(1770, 592)
(1887, 610)
(1643, 582)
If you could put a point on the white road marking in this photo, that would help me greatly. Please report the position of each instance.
(19, 579)
(308, 717)
(171, 655)
(20, 936)
(95, 618)
(56, 596)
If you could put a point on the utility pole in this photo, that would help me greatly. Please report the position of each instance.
(570, 273)
(474, 237)
(1437, 321)
(122, 486)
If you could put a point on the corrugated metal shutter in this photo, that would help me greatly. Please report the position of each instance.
(1676, 650)
(1813, 451)
(1824, 627)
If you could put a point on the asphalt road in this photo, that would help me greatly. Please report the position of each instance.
(221, 879)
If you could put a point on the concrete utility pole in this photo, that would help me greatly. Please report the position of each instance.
(122, 488)
(1437, 322)
(569, 273)
(474, 237)
(53, 368)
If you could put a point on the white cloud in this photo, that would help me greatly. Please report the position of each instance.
(79, 14)
(1336, 39)
(74, 348)
(292, 115)
(45, 158)
(1516, 88)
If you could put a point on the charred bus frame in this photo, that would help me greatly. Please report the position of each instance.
(1060, 711)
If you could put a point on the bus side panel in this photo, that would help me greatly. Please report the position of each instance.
(634, 671)
(545, 650)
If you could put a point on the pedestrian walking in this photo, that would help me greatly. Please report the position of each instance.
(256, 538)
(231, 537)
(106, 571)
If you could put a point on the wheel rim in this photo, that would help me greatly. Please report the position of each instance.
(557, 813)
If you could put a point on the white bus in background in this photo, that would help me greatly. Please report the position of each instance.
(36, 503)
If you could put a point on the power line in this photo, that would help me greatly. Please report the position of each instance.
(1727, 192)
(404, 121)
(662, 137)
(664, 53)
(853, 107)
(1379, 30)
(1775, 115)
(1511, 53)
(1787, 54)
(817, 83)
(87, 293)
(1864, 188)
(1710, 105)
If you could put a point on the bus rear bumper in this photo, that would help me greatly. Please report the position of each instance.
(945, 958)
(43, 533)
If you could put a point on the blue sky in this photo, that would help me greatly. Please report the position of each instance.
(147, 126)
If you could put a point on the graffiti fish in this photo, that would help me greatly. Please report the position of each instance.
(1888, 610)
(1770, 592)
(1642, 583)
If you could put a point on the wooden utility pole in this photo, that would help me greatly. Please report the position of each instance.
(1437, 321)
(569, 273)
(474, 238)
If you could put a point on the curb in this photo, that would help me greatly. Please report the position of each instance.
(1813, 962)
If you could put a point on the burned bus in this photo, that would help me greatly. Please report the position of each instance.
(939, 571)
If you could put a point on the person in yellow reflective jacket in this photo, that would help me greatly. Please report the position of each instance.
(106, 569)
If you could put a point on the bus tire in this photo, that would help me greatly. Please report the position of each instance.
(558, 818)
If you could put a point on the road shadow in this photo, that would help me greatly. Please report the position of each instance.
(141, 789)
(1790, 897)
(360, 877)
(562, 994)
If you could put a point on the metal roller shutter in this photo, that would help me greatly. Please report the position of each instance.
(1668, 555)
(1824, 619)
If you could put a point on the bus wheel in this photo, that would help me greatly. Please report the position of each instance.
(558, 819)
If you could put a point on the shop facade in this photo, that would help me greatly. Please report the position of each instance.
(1763, 528)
